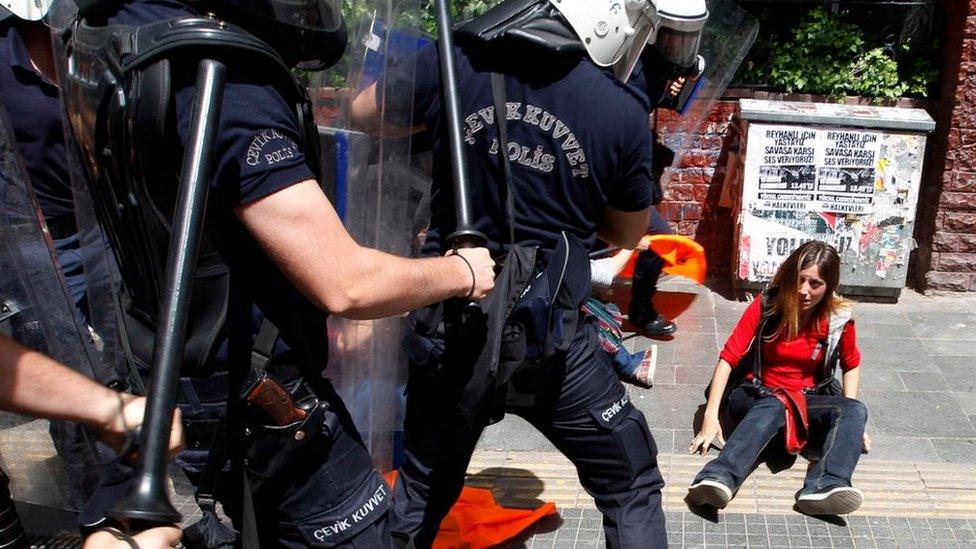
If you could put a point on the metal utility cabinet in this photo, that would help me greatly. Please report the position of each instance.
(845, 174)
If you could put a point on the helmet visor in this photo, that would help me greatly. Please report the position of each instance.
(679, 47)
(316, 15)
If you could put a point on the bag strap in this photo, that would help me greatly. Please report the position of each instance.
(499, 94)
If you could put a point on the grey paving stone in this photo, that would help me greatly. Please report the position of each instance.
(956, 451)
(911, 413)
(779, 541)
(967, 401)
(674, 408)
(664, 374)
(877, 377)
(950, 347)
(943, 325)
(842, 542)
(715, 539)
(757, 541)
(694, 375)
(714, 527)
(871, 328)
(924, 381)
(908, 354)
(959, 372)
(514, 433)
(736, 528)
(888, 448)
(735, 540)
(695, 349)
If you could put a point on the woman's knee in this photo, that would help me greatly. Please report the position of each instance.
(855, 410)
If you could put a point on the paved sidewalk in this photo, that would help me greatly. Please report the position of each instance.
(918, 381)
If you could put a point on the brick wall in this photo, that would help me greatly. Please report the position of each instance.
(692, 188)
(946, 228)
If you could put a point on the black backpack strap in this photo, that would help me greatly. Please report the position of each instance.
(499, 96)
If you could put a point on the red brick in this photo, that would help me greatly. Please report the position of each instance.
(957, 222)
(691, 211)
(955, 262)
(954, 242)
(699, 159)
(960, 182)
(954, 282)
(679, 192)
(701, 193)
(958, 202)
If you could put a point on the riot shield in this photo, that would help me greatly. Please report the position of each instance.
(726, 40)
(37, 310)
(378, 187)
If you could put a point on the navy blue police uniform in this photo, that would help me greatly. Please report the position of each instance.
(578, 142)
(32, 104)
(33, 108)
(324, 492)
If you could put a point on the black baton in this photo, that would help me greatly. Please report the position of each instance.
(465, 235)
(147, 505)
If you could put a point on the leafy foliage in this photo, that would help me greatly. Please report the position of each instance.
(828, 56)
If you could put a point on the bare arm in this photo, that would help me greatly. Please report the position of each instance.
(851, 379)
(366, 116)
(711, 428)
(302, 233)
(624, 229)
(39, 386)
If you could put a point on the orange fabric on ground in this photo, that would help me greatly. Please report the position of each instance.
(477, 522)
(682, 256)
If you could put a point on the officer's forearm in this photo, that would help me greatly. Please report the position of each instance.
(303, 235)
(37, 385)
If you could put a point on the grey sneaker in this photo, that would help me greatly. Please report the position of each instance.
(834, 501)
(710, 493)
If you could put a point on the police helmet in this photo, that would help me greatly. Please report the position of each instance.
(310, 34)
(28, 10)
(616, 32)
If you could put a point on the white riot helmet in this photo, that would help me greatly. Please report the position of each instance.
(615, 32)
(29, 10)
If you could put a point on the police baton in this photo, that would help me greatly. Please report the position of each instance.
(465, 236)
(147, 505)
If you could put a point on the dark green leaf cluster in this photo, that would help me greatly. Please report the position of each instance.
(826, 55)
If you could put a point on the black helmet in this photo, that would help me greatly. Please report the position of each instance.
(307, 33)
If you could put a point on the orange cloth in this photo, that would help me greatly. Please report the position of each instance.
(682, 256)
(477, 522)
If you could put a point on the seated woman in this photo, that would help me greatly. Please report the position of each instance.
(781, 358)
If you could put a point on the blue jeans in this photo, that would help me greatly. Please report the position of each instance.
(836, 429)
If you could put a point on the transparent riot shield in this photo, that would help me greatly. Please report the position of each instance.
(37, 310)
(726, 40)
(378, 189)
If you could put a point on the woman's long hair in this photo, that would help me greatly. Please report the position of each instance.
(787, 281)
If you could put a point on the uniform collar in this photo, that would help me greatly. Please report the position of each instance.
(13, 50)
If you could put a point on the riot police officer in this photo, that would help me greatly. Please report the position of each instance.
(275, 259)
(579, 152)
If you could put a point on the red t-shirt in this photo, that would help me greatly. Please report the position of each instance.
(790, 364)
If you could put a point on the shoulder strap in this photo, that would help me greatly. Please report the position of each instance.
(499, 97)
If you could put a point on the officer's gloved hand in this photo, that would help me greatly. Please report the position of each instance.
(123, 417)
(478, 269)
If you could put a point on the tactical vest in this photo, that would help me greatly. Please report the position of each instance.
(120, 88)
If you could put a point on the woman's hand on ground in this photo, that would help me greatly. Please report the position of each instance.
(710, 430)
(866, 444)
